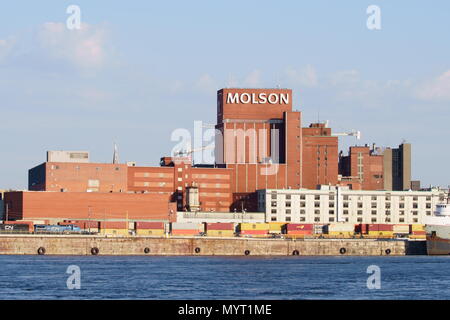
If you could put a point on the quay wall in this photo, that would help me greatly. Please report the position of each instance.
(84, 245)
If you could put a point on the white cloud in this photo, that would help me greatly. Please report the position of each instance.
(253, 79)
(84, 47)
(303, 77)
(6, 46)
(345, 78)
(206, 83)
(437, 89)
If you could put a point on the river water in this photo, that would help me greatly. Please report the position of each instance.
(139, 277)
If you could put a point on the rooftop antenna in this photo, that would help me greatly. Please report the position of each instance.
(115, 154)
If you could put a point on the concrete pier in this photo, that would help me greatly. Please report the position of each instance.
(201, 246)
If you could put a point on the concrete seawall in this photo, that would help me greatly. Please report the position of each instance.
(88, 245)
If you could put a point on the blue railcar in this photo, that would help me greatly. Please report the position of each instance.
(56, 228)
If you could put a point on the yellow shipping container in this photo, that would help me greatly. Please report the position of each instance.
(276, 226)
(220, 233)
(418, 227)
(381, 233)
(417, 236)
(116, 232)
(254, 226)
(150, 232)
(344, 234)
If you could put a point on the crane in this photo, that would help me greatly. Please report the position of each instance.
(190, 151)
(353, 133)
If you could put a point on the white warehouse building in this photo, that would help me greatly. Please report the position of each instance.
(331, 204)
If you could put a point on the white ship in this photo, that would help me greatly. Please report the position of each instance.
(437, 228)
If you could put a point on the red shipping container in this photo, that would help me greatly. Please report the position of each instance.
(149, 225)
(220, 226)
(419, 233)
(86, 224)
(380, 227)
(295, 226)
(113, 225)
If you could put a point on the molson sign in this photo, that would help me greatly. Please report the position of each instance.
(257, 98)
(252, 104)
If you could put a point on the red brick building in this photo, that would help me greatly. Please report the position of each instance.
(260, 144)
(363, 168)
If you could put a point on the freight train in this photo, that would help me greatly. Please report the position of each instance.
(44, 228)
(245, 230)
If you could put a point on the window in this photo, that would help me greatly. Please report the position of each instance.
(428, 206)
(415, 205)
(401, 220)
(345, 205)
(302, 197)
(316, 211)
(331, 212)
(415, 220)
(345, 212)
(331, 196)
(316, 219)
(317, 204)
(388, 206)
(274, 211)
(331, 204)
(428, 198)
(401, 205)
(317, 197)
(274, 197)
(288, 211)
(415, 198)
(415, 213)
(374, 220)
(288, 197)
(302, 211)
(402, 212)
(288, 204)
(274, 203)
(360, 205)
(374, 212)
(273, 219)
(388, 212)
(345, 197)
(303, 219)
(359, 219)
(359, 212)
(331, 219)
(374, 198)
(374, 204)
(302, 204)
(428, 213)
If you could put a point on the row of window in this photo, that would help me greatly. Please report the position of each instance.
(359, 212)
(359, 220)
(287, 204)
(347, 197)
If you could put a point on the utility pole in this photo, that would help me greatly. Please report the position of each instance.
(89, 219)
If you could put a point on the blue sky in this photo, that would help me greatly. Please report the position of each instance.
(137, 71)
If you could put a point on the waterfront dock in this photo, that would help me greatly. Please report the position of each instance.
(202, 246)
